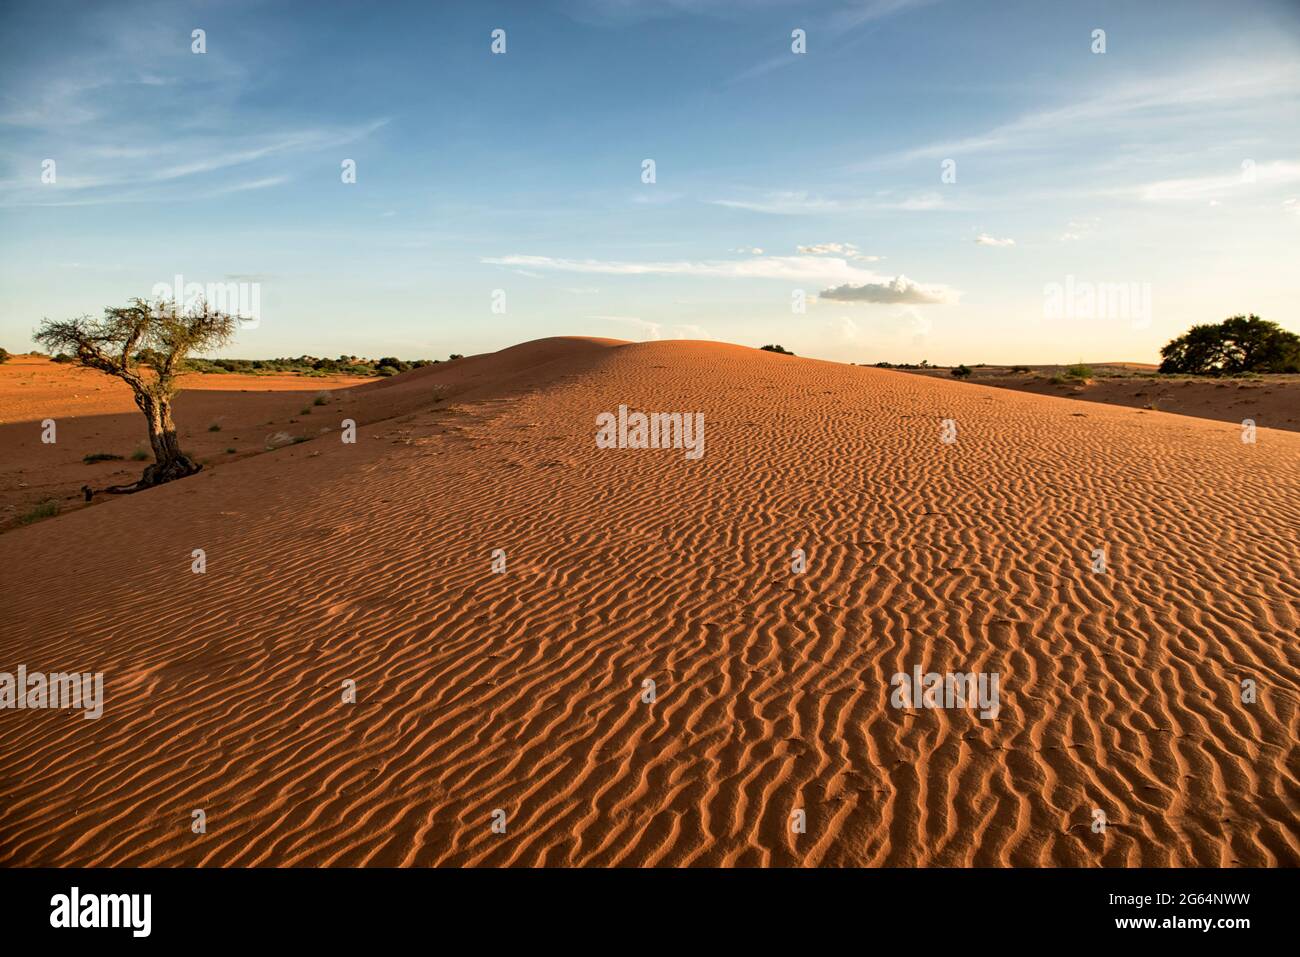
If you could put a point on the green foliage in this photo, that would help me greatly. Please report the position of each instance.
(1237, 345)
(308, 366)
(779, 349)
(45, 509)
(1078, 371)
(961, 372)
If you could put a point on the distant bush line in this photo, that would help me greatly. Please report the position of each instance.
(311, 365)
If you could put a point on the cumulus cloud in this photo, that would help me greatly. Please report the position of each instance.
(900, 289)
(984, 239)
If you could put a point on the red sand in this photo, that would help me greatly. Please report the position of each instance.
(522, 691)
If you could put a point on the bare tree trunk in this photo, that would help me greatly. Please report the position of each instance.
(169, 461)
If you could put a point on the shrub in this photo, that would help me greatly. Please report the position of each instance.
(101, 457)
(454, 356)
(4, 356)
(961, 372)
(214, 427)
(139, 455)
(45, 509)
(230, 451)
(779, 349)
(1019, 370)
(1078, 371)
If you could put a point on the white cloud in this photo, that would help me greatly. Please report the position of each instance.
(1200, 95)
(900, 289)
(814, 269)
(847, 250)
(654, 331)
(984, 239)
(800, 203)
(856, 284)
(1205, 187)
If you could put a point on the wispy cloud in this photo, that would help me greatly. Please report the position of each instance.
(855, 284)
(800, 203)
(984, 239)
(654, 331)
(1179, 98)
(833, 32)
(847, 250)
(813, 269)
(1207, 187)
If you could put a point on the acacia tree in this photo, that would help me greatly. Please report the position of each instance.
(1238, 344)
(119, 344)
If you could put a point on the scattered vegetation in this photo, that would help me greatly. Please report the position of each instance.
(1078, 371)
(1237, 345)
(45, 509)
(320, 400)
(306, 366)
(1019, 370)
(780, 349)
(101, 457)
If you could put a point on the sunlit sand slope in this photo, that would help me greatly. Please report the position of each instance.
(524, 691)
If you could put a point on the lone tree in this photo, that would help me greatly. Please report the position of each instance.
(127, 340)
(1238, 344)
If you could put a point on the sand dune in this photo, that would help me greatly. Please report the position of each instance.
(523, 691)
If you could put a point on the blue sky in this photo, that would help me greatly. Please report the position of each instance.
(1169, 164)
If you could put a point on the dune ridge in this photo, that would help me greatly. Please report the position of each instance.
(522, 691)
